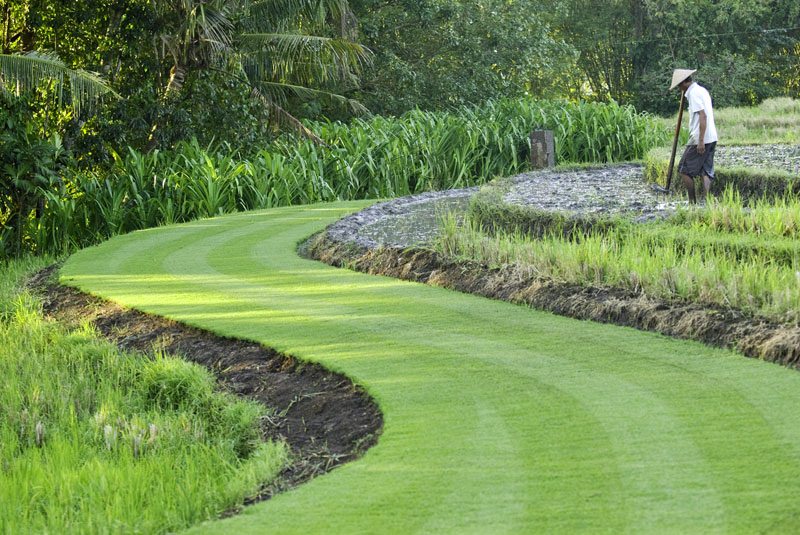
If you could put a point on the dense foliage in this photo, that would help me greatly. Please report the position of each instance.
(236, 73)
(745, 50)
(444, 53)
(374, 158)
(427, 53)
(440, 52)
(257, 60)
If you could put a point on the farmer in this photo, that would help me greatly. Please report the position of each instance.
(698, 157)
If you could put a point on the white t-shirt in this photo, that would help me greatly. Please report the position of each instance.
(698, 99)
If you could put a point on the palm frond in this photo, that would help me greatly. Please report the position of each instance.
(284, 117)
(280, 91)
(275, 13)
(215, 27)
(304, 58)
(29, 71)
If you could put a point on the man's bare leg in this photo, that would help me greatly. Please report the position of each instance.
(706, 185)
(689, 183)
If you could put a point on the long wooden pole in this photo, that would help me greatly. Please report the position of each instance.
(675, 141)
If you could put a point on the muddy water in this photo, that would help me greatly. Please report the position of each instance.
(402, 222)
(617, 189)
(415, 220)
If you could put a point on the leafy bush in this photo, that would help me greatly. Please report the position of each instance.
(29, 167)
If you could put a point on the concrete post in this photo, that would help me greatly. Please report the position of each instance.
(543, 149)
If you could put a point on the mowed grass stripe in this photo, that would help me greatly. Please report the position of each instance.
(462, 430)
(498, 418)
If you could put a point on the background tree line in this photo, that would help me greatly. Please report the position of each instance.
(437, 53)
(180, 64)
(236, 73)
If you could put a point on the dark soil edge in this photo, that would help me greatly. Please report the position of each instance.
(726, 328)
(325, 419)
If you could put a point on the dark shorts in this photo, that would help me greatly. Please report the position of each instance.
(694, 164)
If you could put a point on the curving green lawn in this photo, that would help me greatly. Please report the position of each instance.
(497, 418)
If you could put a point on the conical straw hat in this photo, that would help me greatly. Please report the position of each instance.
(679, 75)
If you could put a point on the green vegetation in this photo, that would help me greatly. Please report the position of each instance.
(709, 256)
(495, 415)
(739, 250)
(94, 440)
(268, 51)
(374, 158)
(451, 52)
(775, 120)
(491, 418)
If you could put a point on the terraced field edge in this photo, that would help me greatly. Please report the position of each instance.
(324, 418)
(727, 328)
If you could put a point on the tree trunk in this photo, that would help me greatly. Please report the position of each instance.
(176, 76)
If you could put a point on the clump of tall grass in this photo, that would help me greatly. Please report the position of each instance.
(629, 257)
(373, 158)
(93, 440)
(776, 120)
(773, 218)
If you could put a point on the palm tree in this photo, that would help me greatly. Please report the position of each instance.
(30, 70)
(265, 44)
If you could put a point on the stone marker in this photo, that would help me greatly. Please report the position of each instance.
(543, 149)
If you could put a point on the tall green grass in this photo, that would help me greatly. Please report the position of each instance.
(376, 158)
(765, 218)
(93, 440)
(707, 256)
(776, 120)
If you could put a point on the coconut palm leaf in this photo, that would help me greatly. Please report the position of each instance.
(303, 58)
(277, 13)
(283, 117)
(278, 92)
(30, 70)
(195, 31)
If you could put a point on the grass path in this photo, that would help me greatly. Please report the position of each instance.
(497, 418)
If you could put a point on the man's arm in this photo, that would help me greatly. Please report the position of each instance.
(701, 146)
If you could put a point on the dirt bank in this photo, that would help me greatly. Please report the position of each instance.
(753, 337)
(324, 418)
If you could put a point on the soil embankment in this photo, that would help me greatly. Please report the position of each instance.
(341, 245)
(324, 418)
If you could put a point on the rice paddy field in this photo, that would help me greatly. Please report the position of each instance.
(726, 254)
(493, 422)
(738, 250)
(497, 418)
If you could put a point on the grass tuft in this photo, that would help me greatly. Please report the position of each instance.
(95, 440)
